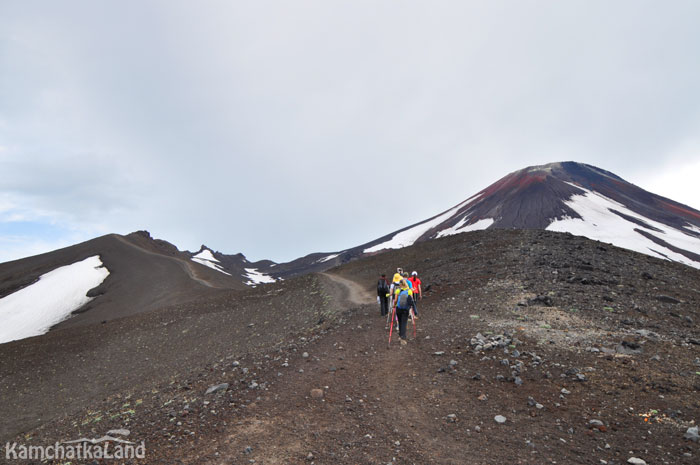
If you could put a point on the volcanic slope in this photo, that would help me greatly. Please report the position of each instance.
(144, 274)
(69, 368)
(590, 352)
(563, 196)
(568, 197)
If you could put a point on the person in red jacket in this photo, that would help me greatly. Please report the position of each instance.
(417, 291)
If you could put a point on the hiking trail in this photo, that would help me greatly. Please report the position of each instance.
(187, 266)
(350, 290)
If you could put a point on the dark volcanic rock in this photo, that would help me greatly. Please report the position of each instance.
(667, 299)
(542, 300)
(629, 348)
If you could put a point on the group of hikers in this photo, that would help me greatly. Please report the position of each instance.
(397, 300)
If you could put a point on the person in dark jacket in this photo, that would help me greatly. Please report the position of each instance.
(383, 294)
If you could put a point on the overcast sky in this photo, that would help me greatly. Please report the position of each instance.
(278, 128)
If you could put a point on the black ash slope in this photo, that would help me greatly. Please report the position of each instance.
(145, 274)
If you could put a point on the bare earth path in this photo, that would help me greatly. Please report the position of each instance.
(351, 291)
(187, 266)
(373, 409)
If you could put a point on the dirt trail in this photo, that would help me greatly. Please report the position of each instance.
(187, 266)
(350, 290)
(374, 397)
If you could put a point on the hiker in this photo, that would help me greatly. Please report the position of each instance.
(403, 306)
(412, 286)
(383, 294)
(397, 276)
(417, 291)
(395, 285)
(408, 281)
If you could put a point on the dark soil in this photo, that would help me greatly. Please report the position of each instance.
(614, 329)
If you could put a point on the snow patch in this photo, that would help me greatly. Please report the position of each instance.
(599, 223)
(547, 168)
(211, 265)
(479, 225)
(411, 235)
(329, 257)
(206, 255)
(692, 227)
(461, 228)
(256, 277)
(206, 258)
(33, 310)
(453, 229)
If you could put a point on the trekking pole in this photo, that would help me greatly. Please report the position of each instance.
(413, 320)
(393, 311)
(388, 314)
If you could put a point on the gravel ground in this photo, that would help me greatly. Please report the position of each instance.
(531, 347)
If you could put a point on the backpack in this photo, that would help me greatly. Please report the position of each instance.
(382, 288)
(402, 300)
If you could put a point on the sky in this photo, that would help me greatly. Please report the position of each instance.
(277, 128)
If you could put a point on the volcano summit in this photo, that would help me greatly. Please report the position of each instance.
(569, 197)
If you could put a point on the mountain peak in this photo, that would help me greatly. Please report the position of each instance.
(141, 233)
(546, 168)
(569, 197)
(565, 170)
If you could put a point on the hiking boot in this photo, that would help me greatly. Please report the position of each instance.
(404, 342)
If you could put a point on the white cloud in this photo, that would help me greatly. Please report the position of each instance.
(5, 204)
(16, 247)
(677, 178)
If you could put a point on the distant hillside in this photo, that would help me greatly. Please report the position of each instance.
(144, 274)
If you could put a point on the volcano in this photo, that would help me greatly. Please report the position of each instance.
(568, 197)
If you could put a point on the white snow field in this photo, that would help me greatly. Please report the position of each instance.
(598, 222)
(329, 257)
(32, 311)
(461, 228)
(206, 255)
(256, 277)
(206, 258)
(411, 235)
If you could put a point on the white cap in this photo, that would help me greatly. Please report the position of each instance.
(415, 273)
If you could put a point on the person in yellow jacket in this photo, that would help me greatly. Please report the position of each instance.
(398, 276)
(395, 285)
